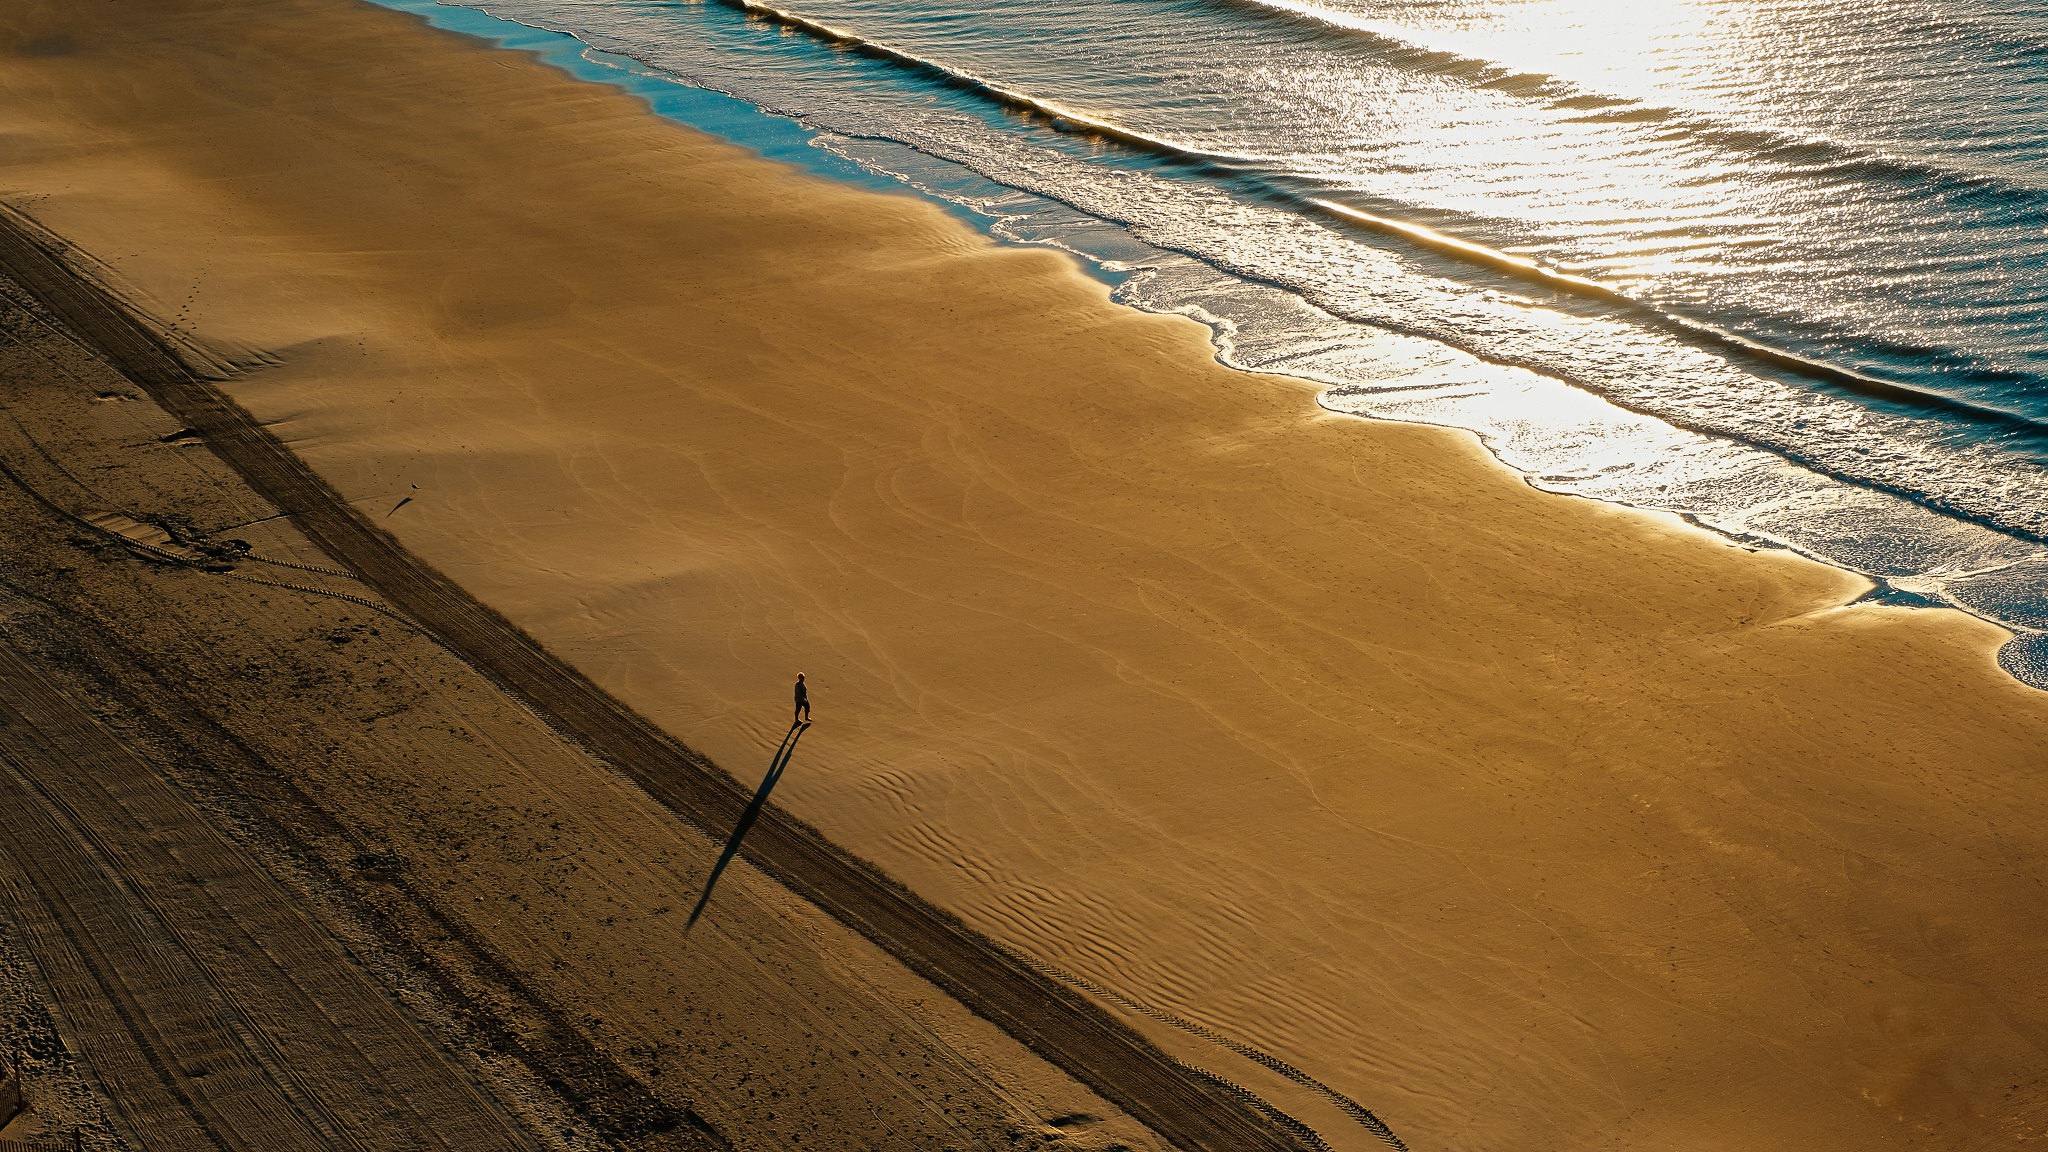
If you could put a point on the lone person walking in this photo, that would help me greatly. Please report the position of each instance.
(803, 701)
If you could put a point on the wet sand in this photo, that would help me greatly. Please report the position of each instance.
(1529, 822)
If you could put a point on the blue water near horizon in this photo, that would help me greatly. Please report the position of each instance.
(1781, 268)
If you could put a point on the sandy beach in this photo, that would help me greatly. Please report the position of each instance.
(289, 862)
(1529, 822)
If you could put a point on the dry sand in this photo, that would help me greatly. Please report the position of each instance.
(1532, 823)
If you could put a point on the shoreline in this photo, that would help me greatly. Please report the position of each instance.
(781, 136)
(1334, 736)
(1993, 554)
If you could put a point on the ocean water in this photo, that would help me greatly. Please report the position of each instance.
(1780, 266)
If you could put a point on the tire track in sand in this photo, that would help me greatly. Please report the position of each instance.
(216, 1014)
(492, 1008)
(1051, 1019)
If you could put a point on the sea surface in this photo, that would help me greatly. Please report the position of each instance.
(1779, 266)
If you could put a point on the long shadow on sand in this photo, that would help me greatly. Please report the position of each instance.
(747, 818)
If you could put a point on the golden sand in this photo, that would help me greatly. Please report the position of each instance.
(1532, 823)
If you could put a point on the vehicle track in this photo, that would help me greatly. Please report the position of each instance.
(214, 1011)
(483, 1004)
(1052, 1020)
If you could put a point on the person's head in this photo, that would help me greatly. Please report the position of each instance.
(799, 677)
